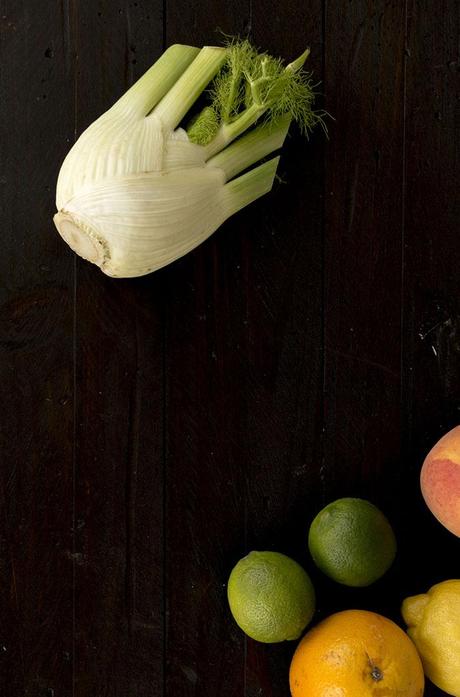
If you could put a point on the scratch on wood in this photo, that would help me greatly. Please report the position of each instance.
(66, 37)
(143, 624)
(364, 360)
(442, 323)
(248, 28)
(357, 41)
(351, 198)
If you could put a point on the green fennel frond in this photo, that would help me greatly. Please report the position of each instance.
(228, 91)
(252, 84)
(204, 126)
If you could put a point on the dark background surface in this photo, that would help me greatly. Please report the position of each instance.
(155, 430)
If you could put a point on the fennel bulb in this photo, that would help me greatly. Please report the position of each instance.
(137, 191)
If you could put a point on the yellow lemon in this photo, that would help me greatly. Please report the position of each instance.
(433, 619)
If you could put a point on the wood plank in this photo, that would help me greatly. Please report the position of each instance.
(283, 339)
(119, 439)
(363, 247)
(232, 341)
(206, 455)
(431, 306)
(36, 375)
(205, 460)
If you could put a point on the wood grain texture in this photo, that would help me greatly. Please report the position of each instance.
(431, 306)
(155, 430)
(363, 277)
(284, 339)
(205, 448)
(36, 377)
(119, 407)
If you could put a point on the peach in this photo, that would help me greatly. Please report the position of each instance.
(440, 480)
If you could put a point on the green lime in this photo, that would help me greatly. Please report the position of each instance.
(271, 597)
(352, 542)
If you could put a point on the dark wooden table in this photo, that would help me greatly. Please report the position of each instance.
(155, 430)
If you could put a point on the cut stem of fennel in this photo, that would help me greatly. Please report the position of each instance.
(184, 93)
(250, 186)
(159, 79)
(252, 147)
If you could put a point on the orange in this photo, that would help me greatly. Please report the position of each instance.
(356, 653)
